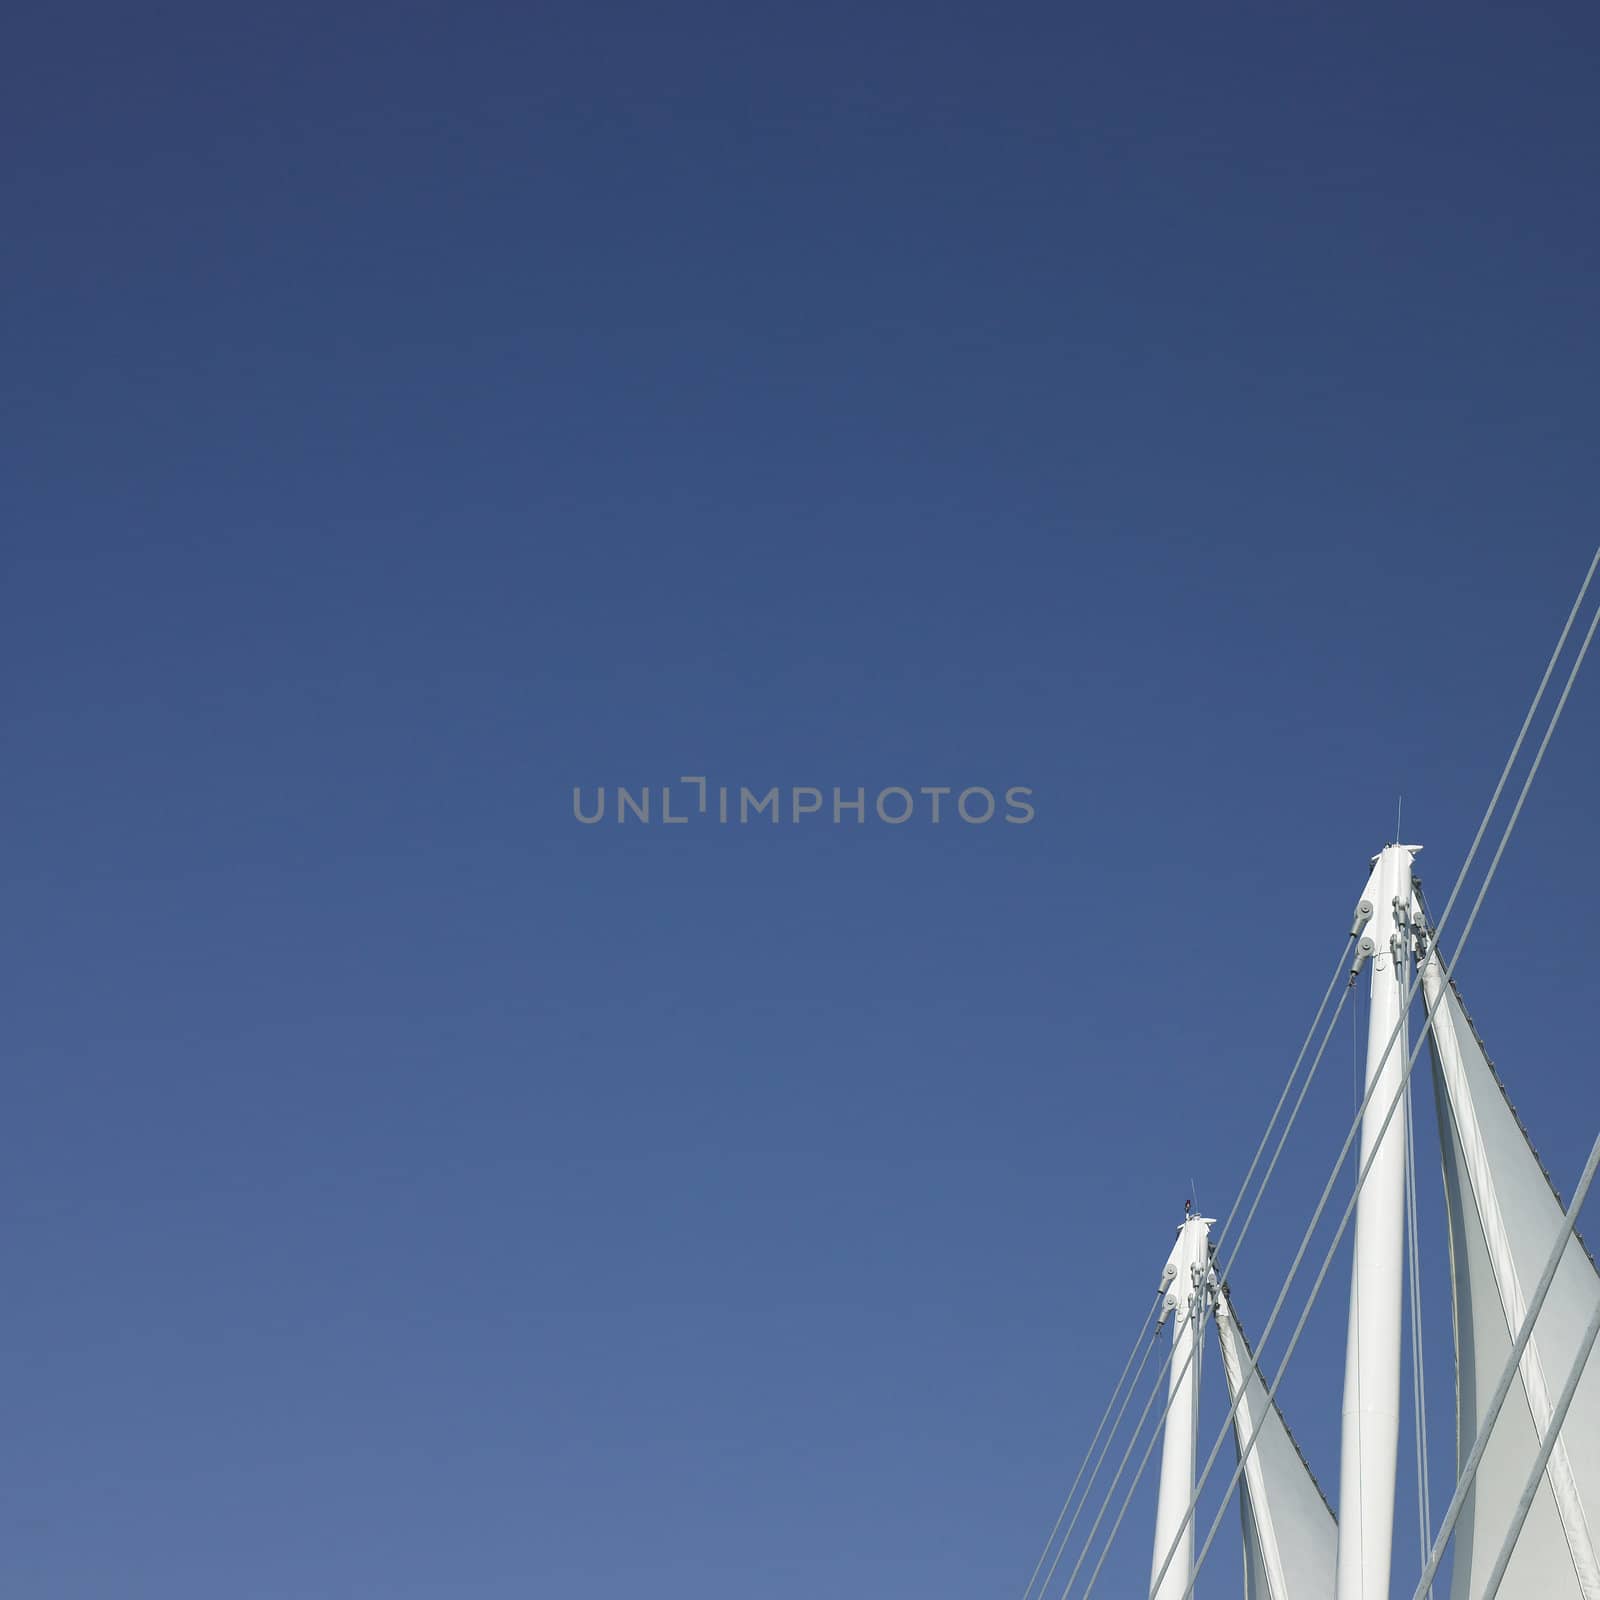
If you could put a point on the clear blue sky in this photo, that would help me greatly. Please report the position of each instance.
(414, 412)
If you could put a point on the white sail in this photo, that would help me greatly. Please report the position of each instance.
(1290, 1536)
(1503, 1218)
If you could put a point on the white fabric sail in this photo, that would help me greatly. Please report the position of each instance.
(1290, 1536)
(1504, 1214)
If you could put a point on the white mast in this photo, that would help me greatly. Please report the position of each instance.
(1370, 1424)
(1188, 1283)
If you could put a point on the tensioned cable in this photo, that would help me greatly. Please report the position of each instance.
(1508, 1373)
(1066, 1538)
(1455, 891)
(1122, 1510)
(1138, 1428)
(1222, 1275)
(1494, 864)
(1138, 1340)
(1552, 1433)
(1338, 973)
(1311, 1072)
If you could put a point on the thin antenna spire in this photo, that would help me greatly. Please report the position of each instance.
(1400, 800)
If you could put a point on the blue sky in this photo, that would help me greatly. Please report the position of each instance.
(414, 413)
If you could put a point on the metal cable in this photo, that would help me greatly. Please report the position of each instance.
(1283, 1138)
(1088, 1540)
(1066, 1538)
(1522, 733)
(1338, 973)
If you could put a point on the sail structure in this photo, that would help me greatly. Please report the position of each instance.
(1290, 1535)
(1504, 1215)
(1505, 1220)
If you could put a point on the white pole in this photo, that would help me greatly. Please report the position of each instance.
(1187, 1284)
(1370, 1424)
